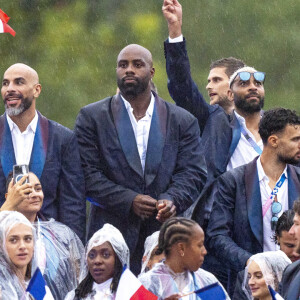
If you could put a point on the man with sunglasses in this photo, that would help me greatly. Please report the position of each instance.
(249, 199)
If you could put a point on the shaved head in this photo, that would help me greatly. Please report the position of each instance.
(32, 74)
(20, 88)
(134, 48)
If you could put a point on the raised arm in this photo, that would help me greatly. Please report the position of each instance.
(181, 86)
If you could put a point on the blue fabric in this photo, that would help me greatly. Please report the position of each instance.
(220, 132)
(275, 296)
(174, 168)
(37, 285)
(55, 160)
(235, 229)
(211, 292)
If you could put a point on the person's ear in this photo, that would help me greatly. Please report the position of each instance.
(273, 140)
(230, 95)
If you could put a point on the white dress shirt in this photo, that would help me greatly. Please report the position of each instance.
(282, 197)
(141, 128)
(176, 40)
(23, 141)
(244, 152)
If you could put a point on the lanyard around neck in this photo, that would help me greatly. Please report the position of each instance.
(250, 140)
(273, 194)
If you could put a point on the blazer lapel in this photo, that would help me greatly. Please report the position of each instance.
(236, 134)
(40, 145)
(253, 198)
(293, 185)
(126, 134)
(7, 149)
(156, 140)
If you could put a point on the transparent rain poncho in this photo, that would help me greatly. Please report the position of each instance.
(163, 282)
(11, 285)
(107, 233)
(150, 243)
(272, 265)
(60, 256)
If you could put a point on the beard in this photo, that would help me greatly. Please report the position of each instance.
(246, 106)
(133, 89)
(288, 160)
(15, 111)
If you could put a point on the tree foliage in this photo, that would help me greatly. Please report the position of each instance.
(73, 45)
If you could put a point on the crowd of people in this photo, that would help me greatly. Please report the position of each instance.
(185, 196)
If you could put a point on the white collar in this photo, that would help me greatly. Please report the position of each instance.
(32, 125)
(149, 110)
(261, 173)
(104, 286)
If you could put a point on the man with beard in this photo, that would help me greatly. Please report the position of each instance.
(50, 150)
(249, 199)
(290, 283)
(140, 155)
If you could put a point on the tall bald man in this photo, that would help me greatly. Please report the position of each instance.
(140, 155)
(50, 150)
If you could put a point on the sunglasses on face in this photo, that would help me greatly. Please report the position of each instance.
(245, 76)
(276, 209)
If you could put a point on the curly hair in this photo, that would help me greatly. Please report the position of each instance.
(275, 120)
(285, 222)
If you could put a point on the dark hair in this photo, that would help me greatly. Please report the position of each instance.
(296, 207)
(86, 285)
(174, 230)
(231, 64)
(275, 120)
(8, 180)
(285, 222)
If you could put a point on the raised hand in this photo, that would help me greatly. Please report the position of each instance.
(16, 193)
(173, 14)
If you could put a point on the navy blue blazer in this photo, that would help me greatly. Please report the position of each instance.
(235, 228)
(56, 162)
(220, 132)
(174, 168)
(290, 283)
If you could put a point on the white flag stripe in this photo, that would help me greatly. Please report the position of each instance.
(1, 27)
(128, 285)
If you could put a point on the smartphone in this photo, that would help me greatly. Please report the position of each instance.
(19, 171)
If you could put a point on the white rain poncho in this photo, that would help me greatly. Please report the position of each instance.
(163, 282)
(107, 233)
(60, 256)
(10, 284)
(272, 265)
(150, 243)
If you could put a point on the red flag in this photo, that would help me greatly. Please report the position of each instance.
(6, 28)
(3, 16)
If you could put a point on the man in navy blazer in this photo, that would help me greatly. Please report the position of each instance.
(50, 150)
(247, 198)
(290, 283)
(220, 126)
(140, 155)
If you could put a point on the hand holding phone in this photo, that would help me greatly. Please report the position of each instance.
(19, 171)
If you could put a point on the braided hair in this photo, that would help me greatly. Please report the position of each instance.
(174, 230)
(86, 285)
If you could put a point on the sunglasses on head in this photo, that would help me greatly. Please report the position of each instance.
(245, 76)
(276, 209)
